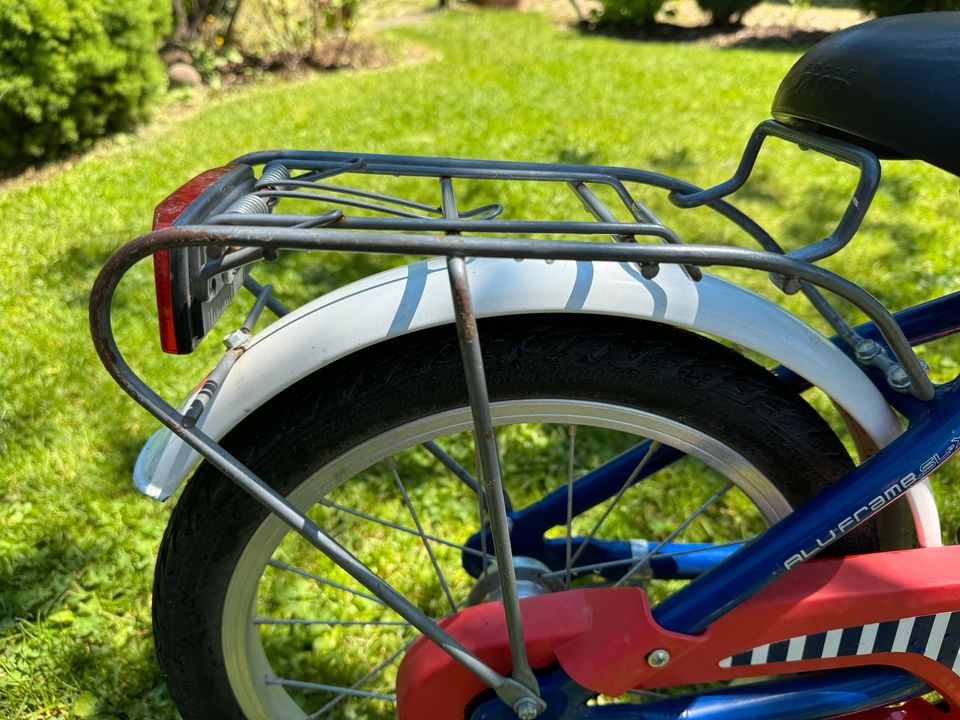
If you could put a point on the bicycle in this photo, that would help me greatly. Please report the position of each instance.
(530, 599)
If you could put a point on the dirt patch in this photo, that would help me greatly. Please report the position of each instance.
(335, 54)
(775, 24)
(768, 37)
(755, 37)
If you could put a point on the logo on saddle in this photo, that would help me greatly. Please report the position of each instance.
(818, 79)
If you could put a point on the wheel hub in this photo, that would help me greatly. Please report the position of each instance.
(532, 575)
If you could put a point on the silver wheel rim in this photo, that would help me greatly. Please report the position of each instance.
(246, 661)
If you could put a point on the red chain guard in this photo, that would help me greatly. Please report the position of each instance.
(601, 637)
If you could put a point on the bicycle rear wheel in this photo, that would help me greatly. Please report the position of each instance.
(251, 622)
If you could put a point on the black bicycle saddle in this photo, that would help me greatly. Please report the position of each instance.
(891, 85)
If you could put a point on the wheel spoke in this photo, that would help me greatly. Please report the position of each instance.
(330, 688)
(426, 544)
(690, 551)
(679, 529)
(395, 526)
(370, 675)
(452, 465)
(648, 694)
(461, 472)
(280, 565)
(572, 432)
(654, 445)
(626, 561)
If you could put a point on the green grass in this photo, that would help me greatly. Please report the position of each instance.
(77, 541)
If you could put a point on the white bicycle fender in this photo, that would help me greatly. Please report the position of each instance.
(417, 296)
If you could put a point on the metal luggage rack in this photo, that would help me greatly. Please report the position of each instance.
(243, 228)
(391, 224)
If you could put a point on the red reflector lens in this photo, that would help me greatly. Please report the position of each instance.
(161, 278)
(176, 202)
(164, 216)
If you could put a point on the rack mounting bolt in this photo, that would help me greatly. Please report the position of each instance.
(898, 378)
(649, 270)
(867, 350)
(788, 284)
(526, 708)
(658, 658)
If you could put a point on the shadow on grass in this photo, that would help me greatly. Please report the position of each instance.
(338, 269)
(758, 38)
(578, 156)
(121, 455)
(33, 582)
(73, 269)
(126, 683)
(73, 629)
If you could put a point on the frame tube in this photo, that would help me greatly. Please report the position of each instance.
(852, 500)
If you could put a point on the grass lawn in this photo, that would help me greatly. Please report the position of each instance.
(78, 543)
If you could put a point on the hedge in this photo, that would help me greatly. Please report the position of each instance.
(73, 70)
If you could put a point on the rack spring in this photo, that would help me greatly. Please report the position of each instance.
(250, 205)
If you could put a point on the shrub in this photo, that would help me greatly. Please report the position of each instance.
(73, 70)
(900, 7)
(292, 31)
(726, 13)
(626, 14)
(191, 16)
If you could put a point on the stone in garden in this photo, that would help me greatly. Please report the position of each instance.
(181, 73)
(172, 54)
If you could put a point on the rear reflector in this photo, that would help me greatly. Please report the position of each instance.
(171, 207)
(164, 216)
